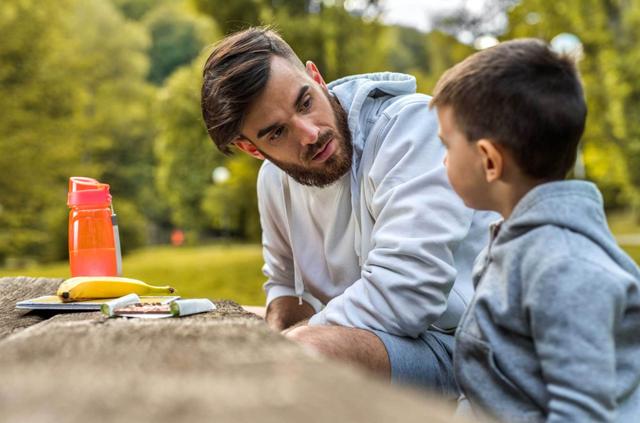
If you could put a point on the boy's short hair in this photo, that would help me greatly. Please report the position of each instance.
(236, 72)
(523, 96)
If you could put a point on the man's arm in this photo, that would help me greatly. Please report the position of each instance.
(284, 312)
(283, 303)
(418, 223)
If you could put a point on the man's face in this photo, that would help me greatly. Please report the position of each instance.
(299, 126)
(463, 162)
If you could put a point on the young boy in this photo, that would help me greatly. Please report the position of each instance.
(553, 331)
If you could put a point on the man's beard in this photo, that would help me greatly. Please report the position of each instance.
(335, 166)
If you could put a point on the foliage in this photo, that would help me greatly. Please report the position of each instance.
(183, 149)
(608, 31)
(136, 9)
(232, 206)
(177, 37)
(232, 15)
(36, 103)
(71, 99)
(471, 23)
(111, 89)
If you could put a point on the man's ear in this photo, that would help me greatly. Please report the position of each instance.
(249, 148)
(492, 159)
(314, 73)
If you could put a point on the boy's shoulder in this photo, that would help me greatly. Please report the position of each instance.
(562, 225)
(554, 255)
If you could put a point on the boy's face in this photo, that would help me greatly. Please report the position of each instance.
(298, 126)
(463, 162)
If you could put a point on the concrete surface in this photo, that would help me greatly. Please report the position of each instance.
(223, 366)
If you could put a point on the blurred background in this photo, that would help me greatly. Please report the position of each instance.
(109, 89)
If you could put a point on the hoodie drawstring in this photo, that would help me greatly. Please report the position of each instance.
(297, 278)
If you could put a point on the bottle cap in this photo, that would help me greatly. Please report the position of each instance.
(87, 191)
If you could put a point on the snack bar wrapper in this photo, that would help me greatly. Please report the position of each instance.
(193, 306)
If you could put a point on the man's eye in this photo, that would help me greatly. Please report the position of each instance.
(277, 133)
(307, 104)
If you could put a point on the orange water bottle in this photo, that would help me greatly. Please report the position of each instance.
(94, 243)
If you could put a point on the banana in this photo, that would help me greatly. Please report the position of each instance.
(90, 287)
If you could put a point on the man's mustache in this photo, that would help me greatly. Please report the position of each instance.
(320, 143)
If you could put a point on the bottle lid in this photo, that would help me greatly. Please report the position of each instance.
(87, 191)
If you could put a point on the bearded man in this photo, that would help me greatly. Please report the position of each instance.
(368, 251)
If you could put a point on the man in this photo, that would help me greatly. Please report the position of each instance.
(362, 233)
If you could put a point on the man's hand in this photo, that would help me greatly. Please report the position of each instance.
(284, 312)
(297, 325)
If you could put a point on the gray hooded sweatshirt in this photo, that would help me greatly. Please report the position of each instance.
(389, 246)
(553, 331)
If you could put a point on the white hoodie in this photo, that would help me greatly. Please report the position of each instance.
(389, 246)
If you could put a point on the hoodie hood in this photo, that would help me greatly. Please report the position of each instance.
(356, 94)
(573, 205)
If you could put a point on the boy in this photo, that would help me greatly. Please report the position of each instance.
(553, 330)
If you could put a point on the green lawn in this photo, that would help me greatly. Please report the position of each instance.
(625, 223)
(230, 271)
(622, 223)
(633, 251)
(219, 272)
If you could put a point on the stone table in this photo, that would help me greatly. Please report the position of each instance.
(222, 366)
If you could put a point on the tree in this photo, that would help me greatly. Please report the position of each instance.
(71, 84)
(608, 30)
(184, 152)
(233, 15)
(468, 23)
(232, 206)
(177, 37)
(136, 9)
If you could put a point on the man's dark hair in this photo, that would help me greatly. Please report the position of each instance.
(235, 74)
(523, 96)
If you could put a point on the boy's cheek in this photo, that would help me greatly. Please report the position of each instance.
(454, 180)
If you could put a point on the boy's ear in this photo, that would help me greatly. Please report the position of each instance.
(249, 148)
(314, 73)
(492, 159)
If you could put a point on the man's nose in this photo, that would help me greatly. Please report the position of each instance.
(444, 161)
(307, 131)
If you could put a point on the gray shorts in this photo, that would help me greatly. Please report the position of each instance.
(425, 362)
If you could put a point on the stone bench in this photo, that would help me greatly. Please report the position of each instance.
(222, 366)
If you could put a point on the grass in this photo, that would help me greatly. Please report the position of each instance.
(623, 223)
(218, 272)
(227, 271)
(633, 251)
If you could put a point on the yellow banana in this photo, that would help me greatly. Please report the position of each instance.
(89, 287)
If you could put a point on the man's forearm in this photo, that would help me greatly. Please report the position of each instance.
(284, 312)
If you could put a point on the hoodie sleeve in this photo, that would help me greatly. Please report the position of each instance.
(419, 222)
(573, 306)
